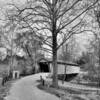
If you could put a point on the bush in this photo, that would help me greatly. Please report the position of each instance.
(92, 78)
(27, 71)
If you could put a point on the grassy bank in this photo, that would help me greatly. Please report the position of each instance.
(4, 90)
(71, 94)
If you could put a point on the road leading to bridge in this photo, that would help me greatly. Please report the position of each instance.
(26, 89)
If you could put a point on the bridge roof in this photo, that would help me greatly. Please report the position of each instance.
(58, 62)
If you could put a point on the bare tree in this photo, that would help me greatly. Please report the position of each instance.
(97, 17)
(52, 18)
(30, 45)
(7, 40)
(95, 42)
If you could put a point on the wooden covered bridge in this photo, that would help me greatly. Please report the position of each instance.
(66, 70)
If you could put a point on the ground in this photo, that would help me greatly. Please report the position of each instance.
(29, 88)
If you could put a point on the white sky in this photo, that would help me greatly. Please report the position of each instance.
(3, 2)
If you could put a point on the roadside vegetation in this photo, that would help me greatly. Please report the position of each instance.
(4, 90)
(71, 93)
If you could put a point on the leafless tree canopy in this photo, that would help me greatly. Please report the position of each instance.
(39, 15)
(51, 19)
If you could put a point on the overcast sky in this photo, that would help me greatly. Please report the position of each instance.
(4, 2)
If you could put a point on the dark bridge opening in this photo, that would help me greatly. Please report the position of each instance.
(44, 67)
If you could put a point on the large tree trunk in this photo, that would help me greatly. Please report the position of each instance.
(99, 62)
(54, 44)
(55, 67)
(11, 59)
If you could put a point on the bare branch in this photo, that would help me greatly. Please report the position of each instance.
(65, 10)
(72, 33)
(78, 16)
(47, 50)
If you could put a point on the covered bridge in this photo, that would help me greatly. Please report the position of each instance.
(66, 70)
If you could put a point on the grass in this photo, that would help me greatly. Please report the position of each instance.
(71, 94)
(4, 90)
(91, 84)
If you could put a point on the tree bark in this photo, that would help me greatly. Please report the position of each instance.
(54, 50)
(99, 62)
(54, 44)
(55, 67)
